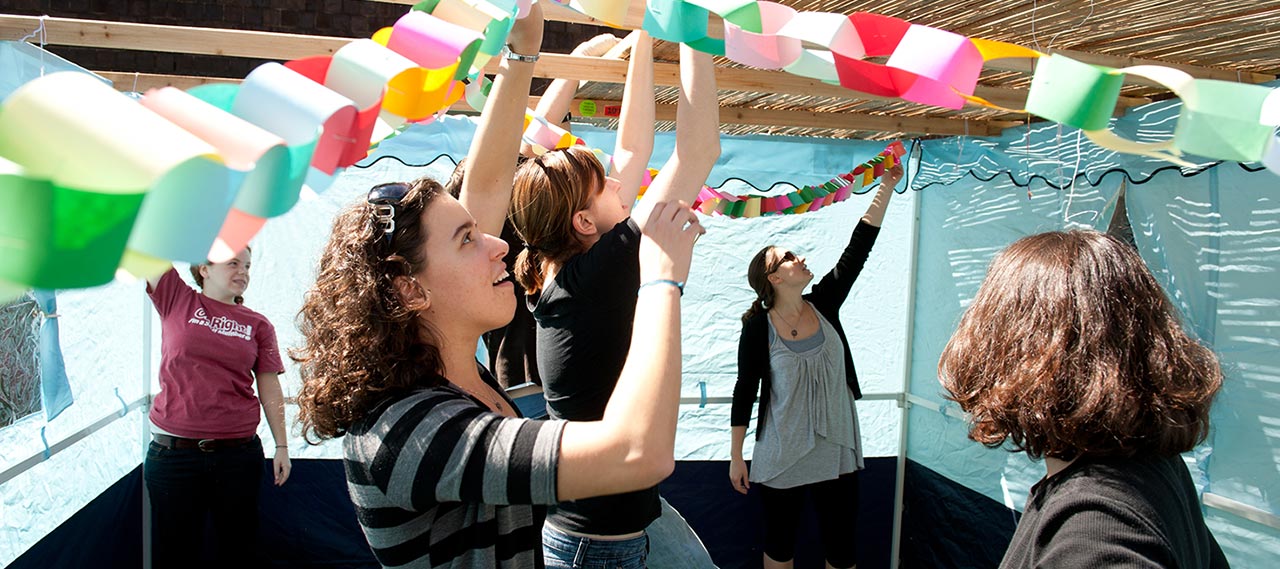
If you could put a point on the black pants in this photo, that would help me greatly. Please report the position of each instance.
(189, 487)
(837, 504)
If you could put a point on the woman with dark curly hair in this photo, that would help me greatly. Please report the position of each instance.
(441, 468)
(1071, 352)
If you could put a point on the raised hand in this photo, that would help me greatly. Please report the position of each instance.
(526, 35)
(667, 248)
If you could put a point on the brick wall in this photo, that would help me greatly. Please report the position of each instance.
(341, 18)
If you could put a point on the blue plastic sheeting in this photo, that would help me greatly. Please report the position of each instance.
(717, 292)
(55, 388)
(100, 330)
(23, 62)
(1210, 236)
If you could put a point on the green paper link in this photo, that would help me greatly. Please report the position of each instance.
(679, 21)
(54, 236)
(742, 13)
(806, 195)
(1221, 120)
(1073, 93)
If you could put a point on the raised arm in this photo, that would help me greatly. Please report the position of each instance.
(491, 160)
(697, 136)
(831, 292)
(875, 212)
(635, 128)
(633, 446)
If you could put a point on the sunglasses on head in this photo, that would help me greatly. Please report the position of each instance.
(384, 198)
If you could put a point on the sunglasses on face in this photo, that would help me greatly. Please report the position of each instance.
(786, 258)
(384, 198)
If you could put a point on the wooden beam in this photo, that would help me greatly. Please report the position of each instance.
(142, 82)
(558, 66)
(806, 119)
(171, 39)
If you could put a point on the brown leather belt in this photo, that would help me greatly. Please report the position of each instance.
(206, 445)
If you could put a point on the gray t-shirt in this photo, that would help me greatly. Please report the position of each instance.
(812, 434)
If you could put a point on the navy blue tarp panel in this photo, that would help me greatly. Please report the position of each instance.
(106, 533)
(948, 526)
(310, 522)
(731, 525)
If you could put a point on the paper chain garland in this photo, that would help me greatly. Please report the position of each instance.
(807, 199)
(77, 158)
(543, 136)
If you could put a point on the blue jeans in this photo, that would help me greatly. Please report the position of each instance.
(564, 551)
(189, 487)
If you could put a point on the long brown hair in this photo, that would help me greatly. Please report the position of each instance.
(362, 343)
(199, 278)
(758, 272)
(1071, 348)
(548, 191)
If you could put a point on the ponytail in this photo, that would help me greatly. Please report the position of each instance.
(758, 277)
(757, 306)
(528, 270)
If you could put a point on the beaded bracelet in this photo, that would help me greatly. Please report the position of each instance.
(679, 285)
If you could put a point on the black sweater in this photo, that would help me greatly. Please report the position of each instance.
(827, 296)
(1139, 512)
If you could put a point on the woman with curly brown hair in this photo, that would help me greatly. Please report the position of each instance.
(1071, 352)
(442, 470)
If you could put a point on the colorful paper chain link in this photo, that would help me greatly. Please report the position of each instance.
(1219, 120)
(91, 180)
(542, 136)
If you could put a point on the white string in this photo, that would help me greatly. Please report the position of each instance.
(135, 82)
(1033, 25)
(1075, 27)
(1071, 189)
(43, 34)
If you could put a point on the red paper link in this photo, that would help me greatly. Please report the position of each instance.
(880, 35)
(346, 136)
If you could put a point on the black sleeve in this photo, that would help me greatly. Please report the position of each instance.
(834, 287)
(610, 267)
(1099, 533)
(750, 372)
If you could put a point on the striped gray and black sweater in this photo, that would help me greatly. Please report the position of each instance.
(439, 481)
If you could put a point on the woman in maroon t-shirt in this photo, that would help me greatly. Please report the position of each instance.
(206, 458)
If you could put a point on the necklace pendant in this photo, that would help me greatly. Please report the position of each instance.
(794, 333)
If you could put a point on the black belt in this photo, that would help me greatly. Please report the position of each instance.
(206, 445)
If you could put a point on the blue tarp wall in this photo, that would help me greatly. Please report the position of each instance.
(1212, 237)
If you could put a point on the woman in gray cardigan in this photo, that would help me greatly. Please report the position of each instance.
(807, 439)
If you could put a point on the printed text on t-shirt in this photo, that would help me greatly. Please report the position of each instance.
(222, 325)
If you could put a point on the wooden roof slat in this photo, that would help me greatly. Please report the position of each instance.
(172, 39)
